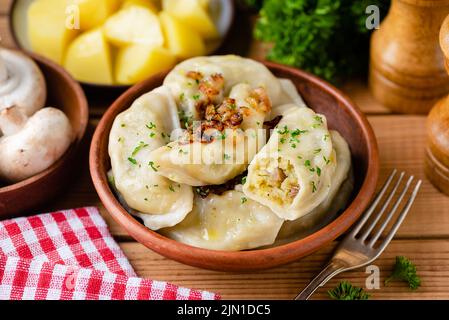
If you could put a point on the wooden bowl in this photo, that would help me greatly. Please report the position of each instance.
(342, 115)
(222, 11)
(65, 93)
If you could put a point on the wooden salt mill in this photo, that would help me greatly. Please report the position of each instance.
(437, 152)
(407, 72)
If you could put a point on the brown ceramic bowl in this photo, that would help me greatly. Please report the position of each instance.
(342, 115)
(65, 93)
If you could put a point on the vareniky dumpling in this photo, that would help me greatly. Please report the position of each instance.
(292, 174)
(144, 127)
(337, 198)
(219, 147)
(212, 78)
(227, 222)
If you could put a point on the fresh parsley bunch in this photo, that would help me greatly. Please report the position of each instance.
(325, 37)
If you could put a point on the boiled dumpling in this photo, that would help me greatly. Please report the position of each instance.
(292, 173)
(212, 78)
(227, 222)
(221, 146)
(144, 127)
(339, 193)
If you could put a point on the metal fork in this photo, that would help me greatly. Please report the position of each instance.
(356, 250)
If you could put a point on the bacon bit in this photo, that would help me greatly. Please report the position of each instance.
(293, 191)
(259, 100)
(212, 86)
(197, 76)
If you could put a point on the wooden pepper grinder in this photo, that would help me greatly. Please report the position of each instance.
(437, 152)
(406, 64)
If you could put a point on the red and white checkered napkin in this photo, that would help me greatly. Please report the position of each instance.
(71, 255)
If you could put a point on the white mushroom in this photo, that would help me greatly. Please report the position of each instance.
(21, 83)
(31, 145)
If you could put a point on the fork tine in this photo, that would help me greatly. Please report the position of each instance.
(401, 217)
(392, 212)
(384, 207)
(373, 206)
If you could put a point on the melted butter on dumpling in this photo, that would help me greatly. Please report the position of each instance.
(144, 127)
(227, 222)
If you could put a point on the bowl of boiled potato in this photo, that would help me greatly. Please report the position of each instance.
(120, 42)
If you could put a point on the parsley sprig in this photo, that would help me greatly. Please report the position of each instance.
(346, 291)
(405, 270)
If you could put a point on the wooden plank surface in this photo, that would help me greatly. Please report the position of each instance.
(431, 258)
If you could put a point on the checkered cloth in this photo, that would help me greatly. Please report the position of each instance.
(70, 255)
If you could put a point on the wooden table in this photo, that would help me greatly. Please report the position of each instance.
(424, 236)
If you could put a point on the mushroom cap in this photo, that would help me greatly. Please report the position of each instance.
(22, 84)
(45, 137)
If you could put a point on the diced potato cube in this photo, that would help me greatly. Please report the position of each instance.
(192, 13)
(88, 58)
(49, 31)
(138, 62)
(93, 13)
(182, 41)
(134, 25)
(149, 4)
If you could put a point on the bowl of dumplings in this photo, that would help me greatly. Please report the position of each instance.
(227, 163)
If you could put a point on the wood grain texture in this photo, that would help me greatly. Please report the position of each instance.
(430, 256)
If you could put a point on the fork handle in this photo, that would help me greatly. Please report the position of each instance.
(331, 270)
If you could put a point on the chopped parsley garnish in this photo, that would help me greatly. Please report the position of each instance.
(405, 270)
(123, 125)
(326, 160)
(316, 151)
(284, 131)
(244, 179)
(120, 139)
(318, 171)
(282, 140)
(171, 188)
(139, 147)
(226, 156)
(243, 200)
(182, 96)
(314, 187)
(326, 136)
(196, 97)
(346, 291)
(298, 132)
(151, 126)
(181, 151)
(223, 136)
(132, 160)
(307, 163)
(153, 166)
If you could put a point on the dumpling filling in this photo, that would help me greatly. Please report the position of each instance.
(275, 179)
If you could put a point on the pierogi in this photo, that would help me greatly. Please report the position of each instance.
(225, 156)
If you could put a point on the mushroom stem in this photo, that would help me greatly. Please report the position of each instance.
(3, 70)
(12, 120)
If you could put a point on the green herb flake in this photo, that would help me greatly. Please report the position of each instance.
(313, 187)
(316, 151)
(318, 171)
(244, 179)
(153, 166)
(307, 163)
(132, 160)
(151, 126)
(346, 291)
(283, 131)
(196, 97)
(243, 200)
(226, 156)
(405, 270)
(171, 188)
(139, 147)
